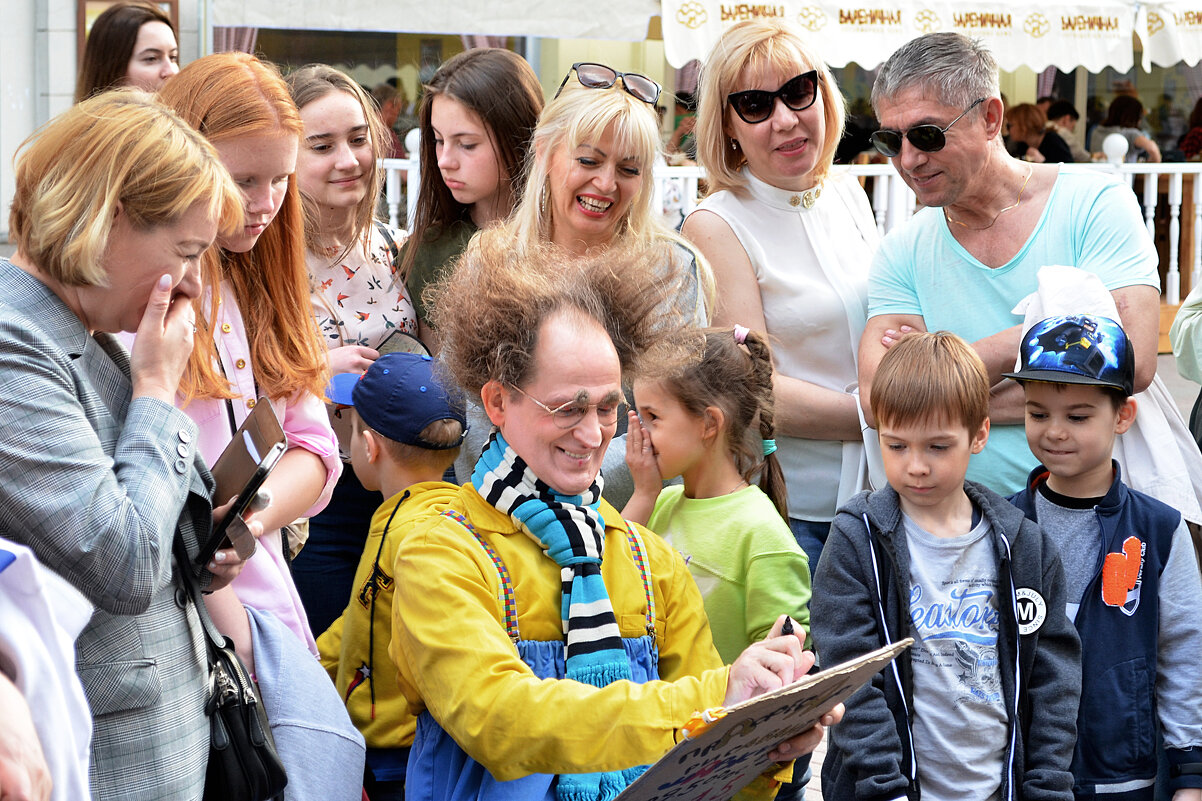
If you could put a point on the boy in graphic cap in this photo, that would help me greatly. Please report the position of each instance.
(1134, 590)
(406, 430)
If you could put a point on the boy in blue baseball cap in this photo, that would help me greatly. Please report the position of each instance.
(406, 429)
(1134, 589)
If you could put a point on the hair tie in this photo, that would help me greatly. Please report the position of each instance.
(741, 334)
(769, 445)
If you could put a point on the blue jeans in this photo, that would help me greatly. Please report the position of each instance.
(324, 570)
(811, 536)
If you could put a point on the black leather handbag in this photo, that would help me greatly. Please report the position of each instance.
(244, 764)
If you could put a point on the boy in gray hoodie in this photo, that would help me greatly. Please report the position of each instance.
(983, 706)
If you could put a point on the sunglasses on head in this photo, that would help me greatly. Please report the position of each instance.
(927, 138)
(756, 105)
(599, 76)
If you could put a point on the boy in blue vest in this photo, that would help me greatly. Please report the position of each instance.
(1134, 590)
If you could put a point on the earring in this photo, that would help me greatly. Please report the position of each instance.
(734, 144)
(542, 199)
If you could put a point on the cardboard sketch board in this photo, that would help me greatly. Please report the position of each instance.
(724, 758)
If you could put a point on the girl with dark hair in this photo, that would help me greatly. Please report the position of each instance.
(357, 300)
(130, 44)
(711, 421)
(476, 118)
(1123, 117)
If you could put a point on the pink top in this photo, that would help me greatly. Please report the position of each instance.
(265, 583)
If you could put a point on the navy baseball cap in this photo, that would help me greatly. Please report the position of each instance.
(398, 397)
(1077, 349)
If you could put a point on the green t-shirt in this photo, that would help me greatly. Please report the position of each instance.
(433, 256)
(744, 559)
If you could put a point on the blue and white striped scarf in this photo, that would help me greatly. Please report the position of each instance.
(570, 530)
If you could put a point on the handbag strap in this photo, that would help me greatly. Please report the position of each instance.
(191, 586)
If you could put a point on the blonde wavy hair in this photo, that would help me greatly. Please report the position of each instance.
(579, 116)
(119, 147)
(766, 47)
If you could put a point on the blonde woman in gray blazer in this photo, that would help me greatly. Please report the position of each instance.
(116, 200)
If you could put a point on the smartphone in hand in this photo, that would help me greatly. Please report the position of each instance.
(239, 472)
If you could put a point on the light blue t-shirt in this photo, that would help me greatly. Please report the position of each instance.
(1091, 221)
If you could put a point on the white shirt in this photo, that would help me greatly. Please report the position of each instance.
(40, 617)
(812, 269)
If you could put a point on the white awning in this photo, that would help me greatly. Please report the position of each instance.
(1036, 34)
(1171, 32)
(624, 20)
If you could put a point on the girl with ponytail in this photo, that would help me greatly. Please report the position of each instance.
(711, 422)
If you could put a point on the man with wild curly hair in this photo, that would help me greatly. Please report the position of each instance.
(540, 580)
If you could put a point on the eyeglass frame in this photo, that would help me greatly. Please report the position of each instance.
(904, 136)
(575, 401)
(778, 95)
(659, 90)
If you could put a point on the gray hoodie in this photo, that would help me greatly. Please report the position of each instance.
(870, 754)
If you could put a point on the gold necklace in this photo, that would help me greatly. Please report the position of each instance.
(1015, 205)
(806, 199)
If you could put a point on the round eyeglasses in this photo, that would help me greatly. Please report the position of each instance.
(568, 415)
(599, 76)
(756, 105)
(927, 138)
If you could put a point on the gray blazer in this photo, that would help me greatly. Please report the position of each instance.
(98, 486)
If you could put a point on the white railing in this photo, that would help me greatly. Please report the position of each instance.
(893, 203)
(1174, 176)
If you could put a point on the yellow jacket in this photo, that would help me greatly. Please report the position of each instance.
(345, 646)
(455, 659)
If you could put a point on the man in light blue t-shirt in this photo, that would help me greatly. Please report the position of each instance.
(989, 224)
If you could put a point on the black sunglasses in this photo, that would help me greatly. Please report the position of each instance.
(599, 76)
(756, 105)
(927, 138)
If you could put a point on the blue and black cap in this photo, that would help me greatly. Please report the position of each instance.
(399, 396)
(1077, 349)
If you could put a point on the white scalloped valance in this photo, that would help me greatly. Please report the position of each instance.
(1171, 32)
(1095, 35)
